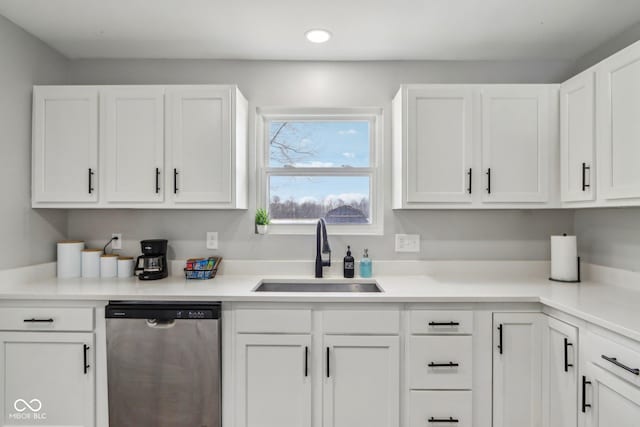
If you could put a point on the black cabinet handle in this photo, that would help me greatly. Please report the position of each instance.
(328, 363)
(175, 181)
(443, 420)
(444, 323)
(470, 189)
(621, 365)
(91, 173)
(157, 180)
(585, 168)
(500, 338)
(489, 181)
(86, 365)
(443, 365)
(585, 405)
(306, 361)
(34, 320)
(567, 365)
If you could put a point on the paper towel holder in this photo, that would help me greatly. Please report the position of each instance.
(569, 281)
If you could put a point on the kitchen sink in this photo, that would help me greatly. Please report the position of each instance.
(350, 287)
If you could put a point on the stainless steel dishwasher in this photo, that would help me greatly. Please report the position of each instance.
(163, 362)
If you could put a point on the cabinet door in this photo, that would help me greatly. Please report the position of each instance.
(517, 370)
(561, 374)
(361, 381)
(199, 130)
(439, 144)
(610, 401)
(515, 143)
(47, 379)
(273, 380)
(65, 144)
(133, 143)
(577, 138)
(618, 124)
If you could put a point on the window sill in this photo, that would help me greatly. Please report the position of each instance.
(332, 229)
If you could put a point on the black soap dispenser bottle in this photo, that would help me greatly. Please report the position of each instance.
(349, 265)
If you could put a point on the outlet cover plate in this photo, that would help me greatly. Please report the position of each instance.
(116, 244)
(407, 243)
(212, 240)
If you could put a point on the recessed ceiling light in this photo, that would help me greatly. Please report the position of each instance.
(318, 36)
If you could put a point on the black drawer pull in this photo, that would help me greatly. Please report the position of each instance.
(157, 180)
(470, 189)
(585, 405)
(91, 173)
(567, 365)
(443, 365)
(500, 338)
(585, 168)
(444, 323)
(621, 365)
(175, 181)
(328, 363)
(443, 420)
(489, 181)
(34, 320)
(306, 361)
(86, 365)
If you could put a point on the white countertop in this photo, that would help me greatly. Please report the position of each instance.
(609, 298)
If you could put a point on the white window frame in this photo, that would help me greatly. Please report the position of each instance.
(374, 171)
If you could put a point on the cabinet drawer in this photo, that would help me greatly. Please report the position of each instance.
(613, 357)
(441, 322)
(426, 408)
(46, 319)
(440, 362)
(382, 322)
(273, 321)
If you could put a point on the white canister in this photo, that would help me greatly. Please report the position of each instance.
(108, 265)
(91, 262)
(125, 267)
(70, 258)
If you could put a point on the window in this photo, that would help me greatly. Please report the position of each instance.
(321, 164)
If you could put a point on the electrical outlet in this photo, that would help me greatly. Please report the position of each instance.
(212, 240)
(407, 243)
(116, 244)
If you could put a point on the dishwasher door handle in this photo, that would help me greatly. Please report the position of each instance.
(160, 324)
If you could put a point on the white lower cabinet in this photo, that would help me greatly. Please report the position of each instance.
(517, 370)
(47, 378)
(560, 405)
(273, 380)
(609, 401)
(362, 381)
(440, 408)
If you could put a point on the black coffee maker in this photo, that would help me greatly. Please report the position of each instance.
(152, 264)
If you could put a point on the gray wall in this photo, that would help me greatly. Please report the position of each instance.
(445, 235)
(622, 40)
(26, 236)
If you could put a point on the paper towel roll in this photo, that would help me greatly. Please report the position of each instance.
(91, 262)
(109, 265)
(564, 258)
(70, 258)
(125, 267)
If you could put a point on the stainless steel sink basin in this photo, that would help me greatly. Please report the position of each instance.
(318, 287)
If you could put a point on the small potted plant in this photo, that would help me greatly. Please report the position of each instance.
(262, 220)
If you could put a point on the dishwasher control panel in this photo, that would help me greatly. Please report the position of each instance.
(164, 311)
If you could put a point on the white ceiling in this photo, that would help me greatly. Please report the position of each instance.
(362, 29)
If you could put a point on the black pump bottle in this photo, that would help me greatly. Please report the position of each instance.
(349, 265)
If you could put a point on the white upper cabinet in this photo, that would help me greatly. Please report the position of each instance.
(474, 146)
(65, 145)
(199, 131)
(577, 138)
(171, 147)
(618, 124)
(515, 143)
(133, 143)
(439, 147)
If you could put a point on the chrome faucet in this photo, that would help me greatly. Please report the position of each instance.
(321, 227)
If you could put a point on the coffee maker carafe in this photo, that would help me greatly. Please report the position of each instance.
(152, 264)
